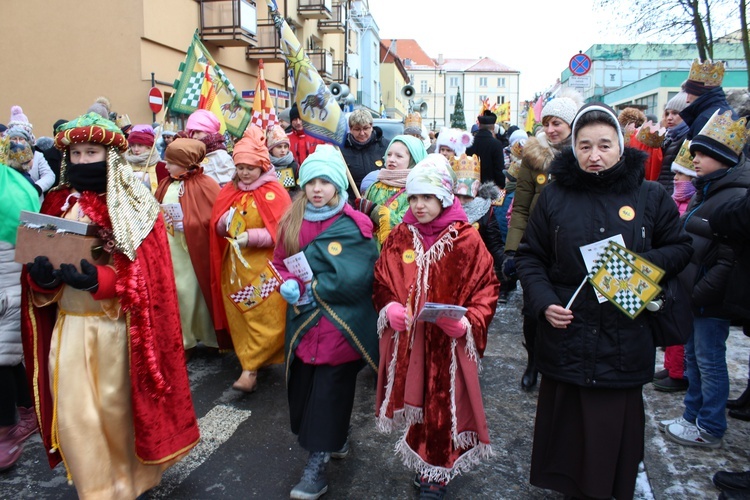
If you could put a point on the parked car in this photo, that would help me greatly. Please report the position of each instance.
(390, 127)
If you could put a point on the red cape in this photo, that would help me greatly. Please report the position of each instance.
(163, 413)
(654, 160)
(272, 201)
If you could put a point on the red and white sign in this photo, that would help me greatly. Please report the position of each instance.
(155, 99)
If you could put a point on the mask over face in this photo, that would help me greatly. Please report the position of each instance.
(88, 176)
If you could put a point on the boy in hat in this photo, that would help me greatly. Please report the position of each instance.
(301, 144)
(489, 150)
(282, 159)
(704, 95)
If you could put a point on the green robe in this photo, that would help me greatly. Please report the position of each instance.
(389, 214)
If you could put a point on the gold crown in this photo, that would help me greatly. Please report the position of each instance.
(651, 134)
(171, 127)
(517, 149)
(122, 121)
(708, 73)
(466, 167)
(722, 128)
(684, 159)
(413, 120)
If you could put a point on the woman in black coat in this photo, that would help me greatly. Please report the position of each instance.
(588, 436)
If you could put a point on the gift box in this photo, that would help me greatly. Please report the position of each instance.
(62, 241)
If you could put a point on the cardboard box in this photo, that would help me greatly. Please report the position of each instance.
(58, 247)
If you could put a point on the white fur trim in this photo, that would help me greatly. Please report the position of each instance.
(471, 346)
(384, 423)
(454, 416)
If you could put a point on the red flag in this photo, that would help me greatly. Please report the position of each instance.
(264, 114)
(208, 100)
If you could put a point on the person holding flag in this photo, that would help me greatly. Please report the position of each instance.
(595, 360)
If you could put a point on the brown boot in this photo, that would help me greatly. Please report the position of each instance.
(248, 382)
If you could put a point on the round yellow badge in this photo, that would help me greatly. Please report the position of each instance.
(334, 248)
(541, 179)
(627, 213)
(270, 196)
(379, 163)
(393, 205)
(408, 256)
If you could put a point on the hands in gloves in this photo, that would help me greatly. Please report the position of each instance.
(242, 239)
(509, 265)
(396, 314)
(455, 328)
(42, 273)
(87, 280)
(290, 291)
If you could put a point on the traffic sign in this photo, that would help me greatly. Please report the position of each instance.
(580, 81)
(580, 64)
(155, 100)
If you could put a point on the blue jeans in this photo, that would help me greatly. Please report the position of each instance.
(708, 378)
(500, 213)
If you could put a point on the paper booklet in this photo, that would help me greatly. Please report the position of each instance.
(297, 265)
(235, 223)
(432, 311)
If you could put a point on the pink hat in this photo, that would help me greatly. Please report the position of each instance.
(18, 119)
(204, 121)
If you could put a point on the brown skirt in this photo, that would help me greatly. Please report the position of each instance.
(587, 442)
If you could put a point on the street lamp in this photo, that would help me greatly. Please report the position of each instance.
(434, 96)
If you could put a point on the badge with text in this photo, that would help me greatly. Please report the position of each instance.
(408, 256)
(334, 248)
(627, 213)
(541, 179)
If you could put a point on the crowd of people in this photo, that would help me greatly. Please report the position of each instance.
(287, 250)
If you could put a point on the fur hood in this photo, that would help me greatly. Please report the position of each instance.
(624, 177)
(538, 153)
(488, 191)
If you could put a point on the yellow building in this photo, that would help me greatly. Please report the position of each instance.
(69, 53)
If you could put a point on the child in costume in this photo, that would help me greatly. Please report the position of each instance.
(332, 336)
(385, 201)
(282, 159)
(195, 193)
(452, 142)
(428, 380)
(247, 212)
(204, 126)
(142, 156)
(110, 384)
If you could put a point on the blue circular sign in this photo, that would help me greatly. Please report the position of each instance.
(580, 64)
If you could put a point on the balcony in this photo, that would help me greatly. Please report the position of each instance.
(315, 9)
(229, 23)
(323, 62)
(337, 22)
(338, 75)
(268, 46)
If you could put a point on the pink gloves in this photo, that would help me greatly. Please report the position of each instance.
(452, 327)
(396, 314)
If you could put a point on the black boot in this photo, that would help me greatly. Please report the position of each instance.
(741, 402)
(528, 381)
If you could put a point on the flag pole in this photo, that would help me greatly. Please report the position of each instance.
(570, 302)
(357, 194)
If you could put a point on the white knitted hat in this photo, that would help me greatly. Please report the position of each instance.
(564, 106)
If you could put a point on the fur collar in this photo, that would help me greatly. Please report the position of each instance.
(538, 153)
(624, 177)
(488, 191)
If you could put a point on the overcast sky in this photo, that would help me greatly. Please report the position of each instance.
(536, 37)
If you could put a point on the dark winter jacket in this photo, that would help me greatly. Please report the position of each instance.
(732, 221)
(363, 159)
(602, 347)
(673, 141)
(707, 275)
(488, 226)
(698, 112)
(490, 153)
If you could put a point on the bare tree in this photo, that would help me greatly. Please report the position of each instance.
(745, 40)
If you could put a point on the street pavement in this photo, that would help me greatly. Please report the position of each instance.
(248, 451)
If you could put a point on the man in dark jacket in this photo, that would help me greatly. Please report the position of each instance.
(722, 175)
(489, 150)
(704, 95)
(364, 147)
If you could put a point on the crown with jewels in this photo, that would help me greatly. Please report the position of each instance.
(651, 134)
(467, 174)
(413, 120)
(709, 73)
(683, 162)
(517, 149)
(723, 129)
(123, 122)
(171, 127)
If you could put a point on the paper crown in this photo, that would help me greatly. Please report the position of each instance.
(517, 149)
(708, 73)
(467, 169)
(169, 127)
(724, 130)
(651, 134)
(683, 162)
(413, 120)
(123, 122)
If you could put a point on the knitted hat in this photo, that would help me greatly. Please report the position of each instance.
(19, 119)
(564, 106)
(284, 115)
(204, 121)
(678, 102)
(683, 162)
(704, 77)
(487, 118)
(58, 124)
(18, 132)
(293, 112)
(455, 139)
(413, 124)
(90, 127)
(433, 175)
(101, 107)
(141, 134)
(251, 149)
(44, 143)
(518, 136)
(722, 138)
(276, 136)
(19, 156)
(414, 145)
(186, 153)
(325, 162)
(467, 174)
(611, 119)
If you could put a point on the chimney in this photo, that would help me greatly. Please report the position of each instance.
(440, 60)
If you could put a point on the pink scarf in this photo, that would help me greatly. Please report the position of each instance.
(430, 231)
(263, 179)
(394, 178)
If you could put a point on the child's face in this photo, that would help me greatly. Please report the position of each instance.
(679, 176)
(705, 165)
(198, 135)
(87, 152)
(464, 198)
(138, 149)
(280, 150)
(425, 207)
(319, 192)
(447, 152)
(672, 118)
(397, 157)
(247, 173)
(175, 170)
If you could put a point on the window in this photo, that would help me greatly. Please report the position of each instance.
(501, 81)
(482, 97)
(500, 99)
(483, 81)
(423, 87)
(453, 81)
(453, 100)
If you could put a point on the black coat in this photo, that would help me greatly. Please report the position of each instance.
(489, 228)
(670, 148)
(602, 347)
(490, 153)
(698, 112)
(363, 159)
(710, 268)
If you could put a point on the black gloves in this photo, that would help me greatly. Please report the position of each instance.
(42, 273)
(88, 280)
(509, 265)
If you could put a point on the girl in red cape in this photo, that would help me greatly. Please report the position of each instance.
(243, 228)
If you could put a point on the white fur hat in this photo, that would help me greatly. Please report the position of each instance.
(456, 139)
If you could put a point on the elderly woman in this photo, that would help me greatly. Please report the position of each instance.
(364, 147)
(588, 436)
